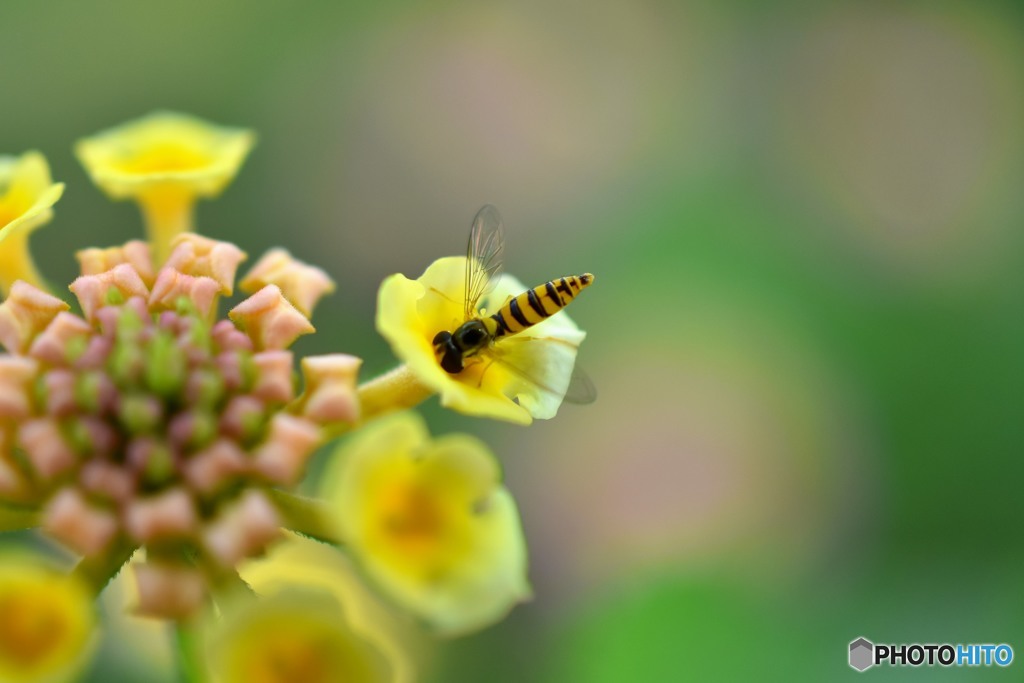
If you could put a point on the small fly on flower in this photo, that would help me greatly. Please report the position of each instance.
(485, 338)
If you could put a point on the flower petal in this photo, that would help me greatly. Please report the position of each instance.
(164, 148)
(431, 522)
(48, 628)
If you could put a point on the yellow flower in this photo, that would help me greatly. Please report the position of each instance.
(164, 161)
(47, 625)
(430, 522)
(411, 312)
(297, 634)
(26, 196)
(299, 561)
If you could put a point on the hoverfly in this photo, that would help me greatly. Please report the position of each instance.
(490, 335)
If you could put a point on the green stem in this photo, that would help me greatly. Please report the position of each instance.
(97, 572)
(395, 390)
(307, 516)
(16, 519)
(188, 643)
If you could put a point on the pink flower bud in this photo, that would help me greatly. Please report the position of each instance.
(165, 516)
(281, 458)
(51, 346)
(208, 470)
(274, 376)
(168, 591)
(302, 284)
(243, 529)
(330, 392)
(92, 290)
(49, 454)
(16, 376)
(84, 528)
(135, 253)
(107, 480)
(25, 313)
(201, 256)
(270, 320)
(172, 285)
(230, 338)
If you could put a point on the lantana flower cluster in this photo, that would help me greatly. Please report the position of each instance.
(141, 429)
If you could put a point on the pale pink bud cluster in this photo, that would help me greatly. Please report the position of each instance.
(146, 422)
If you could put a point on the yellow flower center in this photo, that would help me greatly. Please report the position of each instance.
(416, 527)
(165, 158)
(27, 632)
(412, 518)
(314, 647)
(42, 627)
(291, 659)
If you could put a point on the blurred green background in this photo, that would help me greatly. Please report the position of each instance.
(807, 331)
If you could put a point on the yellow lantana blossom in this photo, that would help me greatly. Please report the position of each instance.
(294, 635)
(533, 369)
(299, 561)
(430, 521)
(164, 161)
(47, 623)
(27, 195)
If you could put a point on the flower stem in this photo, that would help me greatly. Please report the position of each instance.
(167, 212)
(189, 646)
(97, 572)
(395, 390)
(307, 516)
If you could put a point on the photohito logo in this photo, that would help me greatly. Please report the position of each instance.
(864, 654)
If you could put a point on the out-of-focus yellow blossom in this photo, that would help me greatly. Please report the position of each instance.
(164, 161)
(27, 195)
(297, 634)
(430, 521)
(411, 312)
(299, 561)
(47, 623)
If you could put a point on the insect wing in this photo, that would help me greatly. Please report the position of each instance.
(483, 256)
(581, 389)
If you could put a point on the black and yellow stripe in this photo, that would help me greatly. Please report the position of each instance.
(534, 305)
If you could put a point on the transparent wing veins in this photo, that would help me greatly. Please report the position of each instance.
(581, 389)
(483, 257)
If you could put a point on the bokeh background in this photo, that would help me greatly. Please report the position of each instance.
(807, 333)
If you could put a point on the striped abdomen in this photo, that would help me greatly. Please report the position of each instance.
(536, 304)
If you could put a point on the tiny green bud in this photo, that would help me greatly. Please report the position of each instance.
(209, 388)
(199, 335)
(87, 391)
(129, 324)
(75, 347)
(139, 413)
(39, 391)
(114, 297)
(184, 306)
(165, 365)
(125, 364)
(77, 436)
(159, 467)
(248, 370)
(253, 426)
(204, 429)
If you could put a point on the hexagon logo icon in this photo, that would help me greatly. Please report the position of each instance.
(862, 653)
